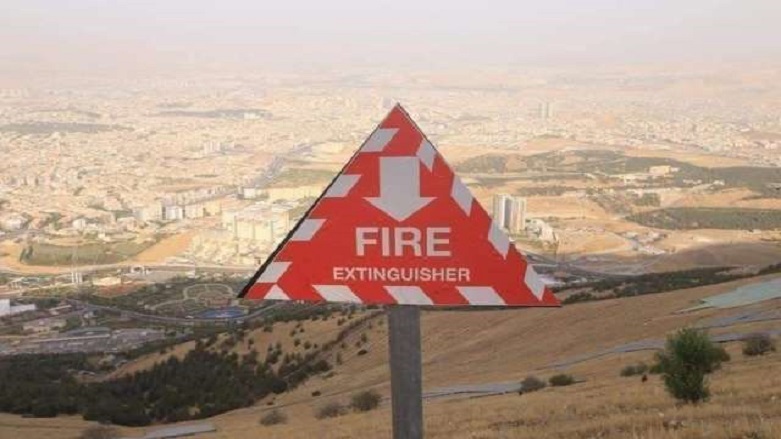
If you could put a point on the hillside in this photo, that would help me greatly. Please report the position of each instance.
(478, 347)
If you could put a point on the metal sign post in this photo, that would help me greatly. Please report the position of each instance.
(406, 371)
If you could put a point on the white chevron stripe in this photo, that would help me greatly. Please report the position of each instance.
(379, 139)
(337, 293)
(485, 296)
(276, 293)
(426, 154)
(342, 186)
(498, 239)
(409, 295)
(533, 281)
(273, 272)
(307, 229)
(461, 194)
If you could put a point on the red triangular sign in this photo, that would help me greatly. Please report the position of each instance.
(397, 226)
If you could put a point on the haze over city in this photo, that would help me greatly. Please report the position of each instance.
(89, 36)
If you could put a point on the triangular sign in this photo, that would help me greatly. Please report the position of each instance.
(397, 226)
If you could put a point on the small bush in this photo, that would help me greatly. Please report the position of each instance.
(720, 355)
(561, 379)
(365, 401)
(758, 344)
(330, 410)
(531, 384)
(688, 357)
(100, 432)
(634, 369)
(273, 417)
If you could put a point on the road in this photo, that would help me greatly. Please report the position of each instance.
(88, 269)
(173, 320)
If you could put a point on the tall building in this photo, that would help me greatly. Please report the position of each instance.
(500, 209)
(545, 110)
(510, 212)
(517, 210)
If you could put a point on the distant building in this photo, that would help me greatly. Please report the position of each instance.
(542, 230)
(261, 222)
(79, 223)
(192, 211)
(173, 213)
(661, 170)
(509, 212)
(151, 212)
(12, 222)
(545, 110)
(6, 309)
(292, 193)
(42, 326)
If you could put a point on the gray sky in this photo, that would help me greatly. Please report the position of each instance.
(103, 33)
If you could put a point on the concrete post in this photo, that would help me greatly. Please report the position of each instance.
(406, 376)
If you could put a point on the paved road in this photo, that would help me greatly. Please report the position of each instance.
(87, 269)
(174, 320)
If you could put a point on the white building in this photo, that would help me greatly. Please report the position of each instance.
(6, 309)
(509, 213)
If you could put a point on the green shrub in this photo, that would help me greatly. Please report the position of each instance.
(655, 369)
(365, 401)
(273, 417)
(758, 344)
(330, 410)
(532, 383)
(634, 369)
(561, 379)
(688, 357)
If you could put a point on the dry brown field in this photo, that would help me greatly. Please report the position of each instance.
(472, 347)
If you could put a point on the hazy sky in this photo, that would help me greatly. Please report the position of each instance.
(68, 33)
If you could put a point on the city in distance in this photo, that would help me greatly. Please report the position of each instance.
(137, 199)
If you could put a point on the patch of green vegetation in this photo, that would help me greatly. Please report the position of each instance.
(652, 283)
(87, 254)
(611, 163)
(687, 218)
(549, 191)
(483, 164)
(293, 177)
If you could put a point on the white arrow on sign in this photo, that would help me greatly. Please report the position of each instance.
(399, 187)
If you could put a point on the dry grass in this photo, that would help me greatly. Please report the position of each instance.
(167, 247)
(498, 346)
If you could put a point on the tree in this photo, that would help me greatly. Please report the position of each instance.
(366, 401)
(688, 357)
